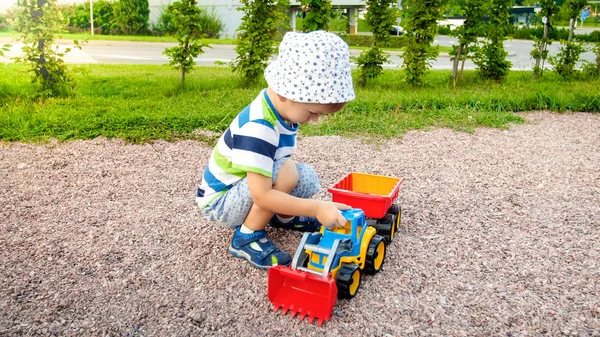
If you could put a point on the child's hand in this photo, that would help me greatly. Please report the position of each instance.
(329, 214)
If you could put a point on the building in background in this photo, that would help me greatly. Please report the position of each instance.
(227, 11)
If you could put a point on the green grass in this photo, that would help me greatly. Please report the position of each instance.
(96, 37)
(339, 25)
(143, 102)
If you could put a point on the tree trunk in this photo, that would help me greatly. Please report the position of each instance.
(572, 28)
(182, 75)
(41, 44)
(455, 64)
(543, 44)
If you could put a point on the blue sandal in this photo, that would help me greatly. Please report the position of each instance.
(268, 255)
(299, 223)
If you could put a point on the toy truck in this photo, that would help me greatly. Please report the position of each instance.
(326, 265)
(329, 264)
(375, 195)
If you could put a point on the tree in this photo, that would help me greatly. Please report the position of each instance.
(132, 16)
(491, 57)
(380, 17)
(38, 22)
(420, 23)
(540, 52)
(570, 51)
(473, 11)
(573, 9)
(188, 32)
(318, 15)
(257, 36)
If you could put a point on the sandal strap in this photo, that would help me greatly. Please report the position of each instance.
(245, 239)
(270, 249)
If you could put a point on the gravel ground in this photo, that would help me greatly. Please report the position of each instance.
(500, 236)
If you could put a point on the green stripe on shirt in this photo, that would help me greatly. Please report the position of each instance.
(255, 170)
(225, 164)
(268, 114)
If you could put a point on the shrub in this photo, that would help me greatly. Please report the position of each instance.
(210, 22)
(490, 58)
(420, 22)
(38, 27)
(380, 17)
(256, 37)
(186, 21)
(104, 16)
(318, 15)
(565, 61)
(164, 25)
(592, 69)
(444, 30)
(367, 41)
(132, 16)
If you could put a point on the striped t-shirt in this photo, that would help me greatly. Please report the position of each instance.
(255, 139)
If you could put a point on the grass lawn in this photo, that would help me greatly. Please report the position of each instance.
(97, 37)
(144, 102)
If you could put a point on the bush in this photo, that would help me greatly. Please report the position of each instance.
(209, 21)
(79, 17)
(592, 37)
(553, 34)
(3, 23)
(444, 30)
(367, 41)
(164, 24)
(132, 16)
(104, 16)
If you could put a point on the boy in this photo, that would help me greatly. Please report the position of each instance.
(250, 180)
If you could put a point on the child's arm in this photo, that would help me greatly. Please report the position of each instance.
(265, 197)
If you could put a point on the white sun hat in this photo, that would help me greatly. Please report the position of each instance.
(312, 68)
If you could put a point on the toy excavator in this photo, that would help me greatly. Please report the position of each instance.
(329, 264)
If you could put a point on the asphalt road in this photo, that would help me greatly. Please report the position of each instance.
(126, 52)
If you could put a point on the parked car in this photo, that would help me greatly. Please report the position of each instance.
(396, 30)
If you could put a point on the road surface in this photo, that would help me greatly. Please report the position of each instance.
(127, 52)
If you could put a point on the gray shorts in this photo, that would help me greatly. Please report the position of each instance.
(230, 209)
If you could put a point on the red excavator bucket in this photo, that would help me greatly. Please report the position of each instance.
(301, 292)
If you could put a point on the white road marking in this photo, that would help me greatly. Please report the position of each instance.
(74, 56)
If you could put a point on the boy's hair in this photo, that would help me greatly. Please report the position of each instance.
(312, 68)
(334, 107)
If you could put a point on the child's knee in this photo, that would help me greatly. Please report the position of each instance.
(287, 178)
(308, 181)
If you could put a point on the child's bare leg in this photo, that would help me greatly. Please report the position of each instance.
(286, 181)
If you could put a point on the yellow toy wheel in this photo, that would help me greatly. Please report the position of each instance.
(348, 280)
(375, 255)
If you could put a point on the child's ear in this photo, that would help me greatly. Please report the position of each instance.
(281, 98)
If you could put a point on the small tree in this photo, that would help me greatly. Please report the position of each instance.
(257, 36)
(132, 16)
(573, 9)
(185, 18)
(5, 48)
(540, 52)
(491, 57)
(570, 51)
(473, 11)
(380, 17)
(38, 22)
(420, 23)
(593, 68)
(318, 16)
